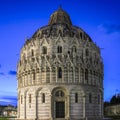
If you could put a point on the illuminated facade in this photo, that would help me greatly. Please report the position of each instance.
(60, 73)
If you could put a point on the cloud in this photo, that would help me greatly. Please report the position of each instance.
(8, 93)
(1, 73)
(5, 100)
(7, 97)
(12, 72)
(109, 28)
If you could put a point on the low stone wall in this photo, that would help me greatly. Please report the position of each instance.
(112, 110)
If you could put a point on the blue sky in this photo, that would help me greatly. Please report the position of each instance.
(19, 19)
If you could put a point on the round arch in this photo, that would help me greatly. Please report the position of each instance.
(60, 102)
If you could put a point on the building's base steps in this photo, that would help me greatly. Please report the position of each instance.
(68, 119)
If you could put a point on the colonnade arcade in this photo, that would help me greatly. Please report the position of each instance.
(58, 102)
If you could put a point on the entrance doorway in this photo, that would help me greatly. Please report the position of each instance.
(60, 109)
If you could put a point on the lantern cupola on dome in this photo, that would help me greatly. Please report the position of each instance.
(60, 17)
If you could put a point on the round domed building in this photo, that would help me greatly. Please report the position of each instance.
(60, 73)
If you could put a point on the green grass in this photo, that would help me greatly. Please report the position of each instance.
(6, 118)
(3, 118)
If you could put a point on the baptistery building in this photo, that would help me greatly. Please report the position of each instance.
(60, 73)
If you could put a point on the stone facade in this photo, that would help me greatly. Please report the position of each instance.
(60, 73)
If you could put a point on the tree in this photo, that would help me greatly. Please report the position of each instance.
(113, 100)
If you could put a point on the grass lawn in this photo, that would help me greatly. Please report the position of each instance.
(3, 118)
(6, 118)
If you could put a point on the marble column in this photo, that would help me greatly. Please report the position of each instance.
(63, 79)
(68, 107)
(68, 75)
(56, 74)
(50, 75)
(79, 74)
(51, 108)
(36, 106)
(25, 107)
(74, 74)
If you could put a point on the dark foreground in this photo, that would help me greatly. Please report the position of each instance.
(106, 118)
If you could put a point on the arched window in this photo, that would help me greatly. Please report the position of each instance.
(20, 62)
(84, 36)
(59, 49)
(94, 77)
(74, 49)
(91, 76)
(86, 74)
(20, 80)
(60, 32)
(24, 57)
(44, 50)
(76, 97)
(98, 99)
(32, 53)
(81, 35)
(29, 98)
(82, 74)
(64, 18)
(90, 98)
(87, 52)
(33, 75)
(43, 98)
(69, 52)
(95, 55)
(59, 72)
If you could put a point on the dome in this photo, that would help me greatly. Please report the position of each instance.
(60, 17)
(60, 25)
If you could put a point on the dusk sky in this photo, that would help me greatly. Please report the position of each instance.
(19, 19)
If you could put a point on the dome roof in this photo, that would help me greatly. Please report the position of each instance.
(60, 16)
(60, 25)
